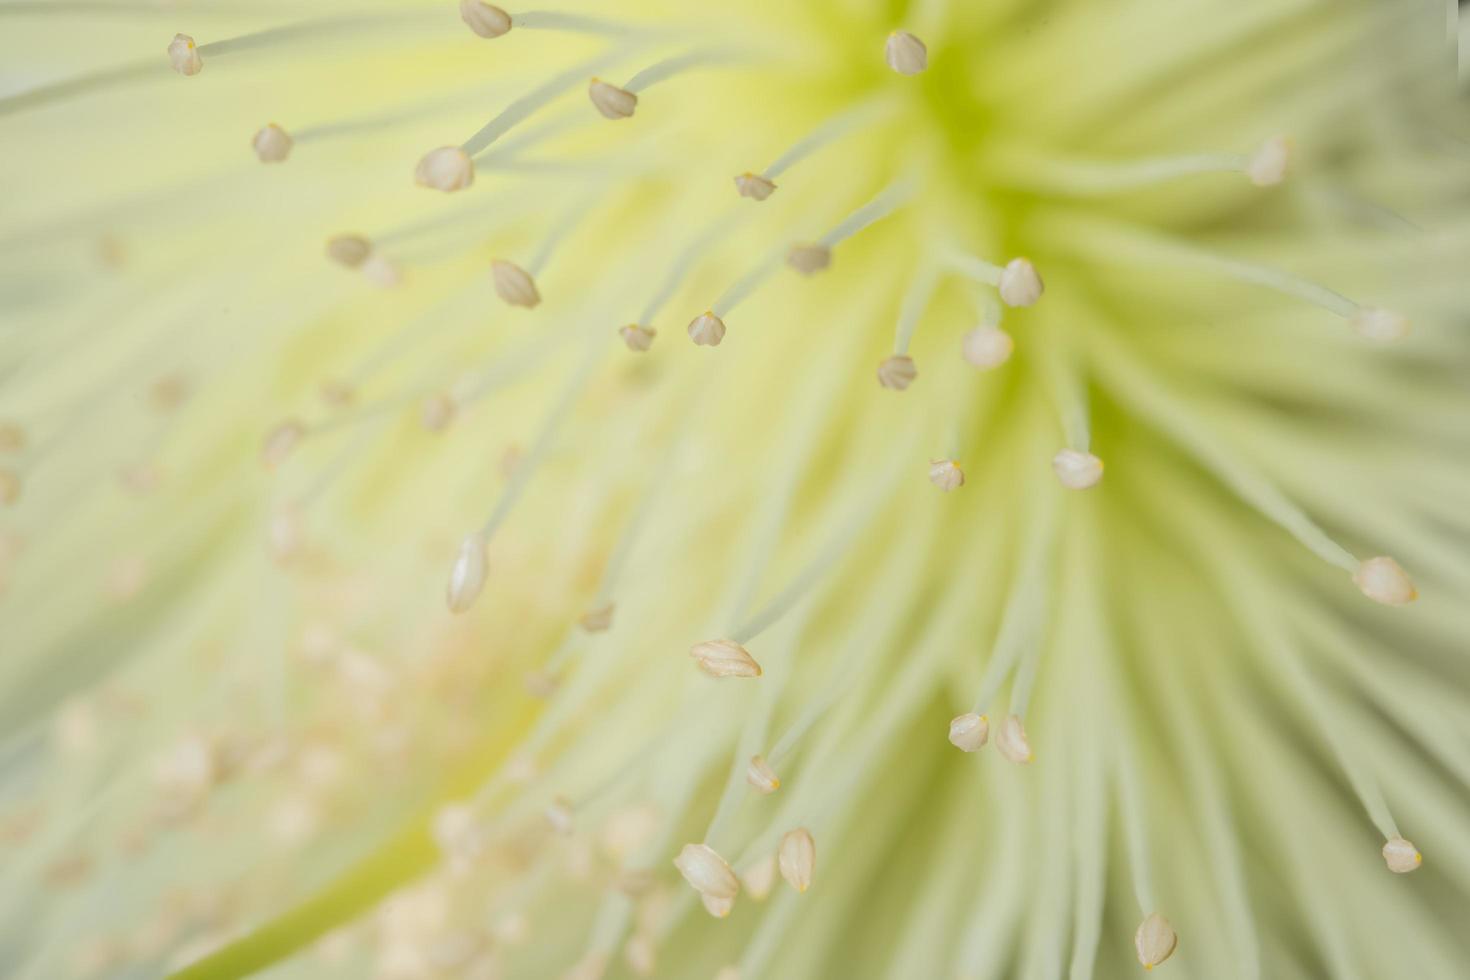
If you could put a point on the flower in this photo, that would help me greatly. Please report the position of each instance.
(1219, 245)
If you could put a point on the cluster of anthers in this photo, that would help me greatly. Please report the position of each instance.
(1016, 283)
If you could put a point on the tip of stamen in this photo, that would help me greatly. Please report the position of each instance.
(1154, 941)
(1379, 325)
(272, 144)
(1268, 166)
(1384, 581)
(897, 372)
(486, 20)
(467, 575)
(946, 474)
(611, 101)
(1020, 283)
(707, 872)
(988, 347)
(447, 169)
(724, 658)
(1077, 470)
(639, 339)
(969, 732)
(797, 857)
(183, 55)
(809, 259)
(761, 777)
(349, 250)
(514, 285)
(1011, 741)
(707, 330)
(1401, 856)
(905, 53)
(754, 186)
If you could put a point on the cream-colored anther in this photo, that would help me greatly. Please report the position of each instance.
(707, 330)
(1379, 325)
(897, 372)
(1077, 470)
(946, 474)
(1011, 742)
(905, 53)
(446, 169)
(987, 348)
(798, 858)
(706, 871)
(718, 907)
(760, 878)
(639, 339)
(969, 732)
(1020, 283)
(724, 658)
(1155, 941)
(1401, 856)
(809, 259)
(485, 19)
(349, 250)
(1384, 580)
(467, 575)
(611, 101)
(271, 143)
(514, 285)
(761, 777)
(754, 186)
(1268, 166)
(183, 54)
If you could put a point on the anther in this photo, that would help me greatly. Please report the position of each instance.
(897, 372)
(987, 347)
(467, 576)
(946, 474)
(798, 858)
(755, 186)
(761, 777)
(707, 872)
(597, 620)
(905, 53)
(639, 339)
(1384, 580)
(1011, 741)
(272, 144)
(486, 20)
(1077, 470)
(183, 54)
(439, 412)
(1378, 325)
(724, 658)
(809, 259)
(447, 169)
(1268, 166)
(707, 330)
(969, 732)
(1401, 856)
(514, 285)
(1155, 941)
(1020, 284)
(611, 101)
(349, 250)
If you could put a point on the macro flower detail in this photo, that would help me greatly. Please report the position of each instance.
(271, 415)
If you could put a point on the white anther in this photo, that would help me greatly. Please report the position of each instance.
(754, 186)
(707, 330)
(1401, 856)
(446, 169)
(969, 732)
(638, 339)
(760, 878)
(946, 474)
(272, 144)
(183, 54)
(1267, 166)
(798, 858)
(718, 907)
(514, 285)
(724, 658)
(905, 53)
(486, 20)
(1384, 580)
(988, 347)
(1155, 941)
(611, 101)
(897, 372)
(467, 576)
(1380, 326)
(761, 777)
(1011, 741)
(349, 250)
(380, 271)
(706, 871)
(809, 259)
(1020, 283)
(1077, 470)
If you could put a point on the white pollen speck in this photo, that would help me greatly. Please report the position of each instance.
(761, 777)
(760, 878)
(349, 250)
(905, 53)
(754, 186)
(1380, 326)
(809, 259)
(446, 169)
(1077, 470)
(707, 330)
(706, 871)
(1268, 166)
(272, 144)
(1010, 741)
(639, 339)
(798, 858)
(281, 442)
(1401, 856)
(597, 620)
(1020, 283)
(946, 474)
(724, 658)
(514, 285)
(183, 54)
(718, 907)
(1155, 941)
(987, 348)
(1384, 580)
(467, 576)
(897, 372)
(611, 101)
(438, 412)
(969, 732)
(486, 20)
